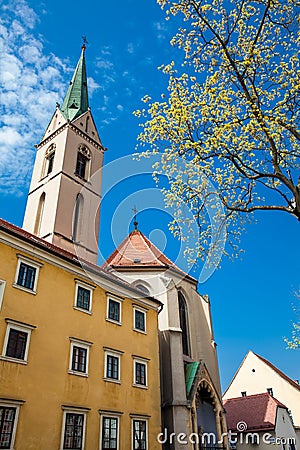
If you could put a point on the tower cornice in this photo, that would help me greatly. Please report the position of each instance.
(77, 130)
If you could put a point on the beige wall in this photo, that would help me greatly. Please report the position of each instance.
(62, 186)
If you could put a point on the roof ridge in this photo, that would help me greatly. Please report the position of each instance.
(278, 371)
(251, 396)
(127, 258)
(72, 257)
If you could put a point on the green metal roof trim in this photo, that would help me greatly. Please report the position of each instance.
(76, 101)
(190, 373)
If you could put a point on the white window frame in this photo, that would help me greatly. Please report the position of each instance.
(74, 342)
(117, 300)
(145, 419)
(140, 360)
(2, 289)
(29, 262)
(111, 415)
(19, 326)
(6, 403)
(49, 152)
(117, 354)
(73, 410)
(144, 311)
(79, 283)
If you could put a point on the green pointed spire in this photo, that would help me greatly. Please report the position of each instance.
(76, 101)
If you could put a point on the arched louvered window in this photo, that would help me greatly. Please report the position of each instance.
(77, 219)
(39, 215)
(49, 160)
(83, 162)
(183, 317)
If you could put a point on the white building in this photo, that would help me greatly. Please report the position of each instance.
(257, 375)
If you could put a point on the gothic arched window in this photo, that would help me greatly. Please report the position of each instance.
(39, 214)
(49, 160)
(77, 219)
(83, 162)
(183, 317)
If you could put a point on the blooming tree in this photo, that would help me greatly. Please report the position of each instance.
(230, 114)
(294, 341)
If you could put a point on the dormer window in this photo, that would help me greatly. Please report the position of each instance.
(83, 162)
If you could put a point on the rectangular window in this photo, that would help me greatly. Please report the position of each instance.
(2, 288)
(139, 434)
(16, 341)
(26, 276)
(112, 367)
(109, 433)
(139, 320)
(16, 345)
(7, 420)
(79, 359)
(73, 434)
(140, 373)
(83, 298)
(114, 310)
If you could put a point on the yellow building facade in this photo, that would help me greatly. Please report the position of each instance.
(79, 364)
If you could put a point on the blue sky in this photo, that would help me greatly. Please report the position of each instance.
(39, 47)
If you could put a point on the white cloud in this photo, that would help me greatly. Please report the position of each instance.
(10, 136)
(102, 63)
(161, 29)
(31, 81)
(93, 85)
(130, 48)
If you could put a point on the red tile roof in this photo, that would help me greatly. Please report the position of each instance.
(71, 257)
(137, 251)
(257, 411)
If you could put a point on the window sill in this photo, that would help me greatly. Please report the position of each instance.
(79, 374)
(141, 386)
(111, 380)
(22, 288)
(86, 311)
(13, 360)
(139, 331)
(113, 321)
(85, 180)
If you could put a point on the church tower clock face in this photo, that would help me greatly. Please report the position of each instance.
(63, 205)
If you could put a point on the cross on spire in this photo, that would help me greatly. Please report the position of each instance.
(135, 223)
(84, 43)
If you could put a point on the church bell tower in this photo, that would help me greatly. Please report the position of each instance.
(63, 205)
